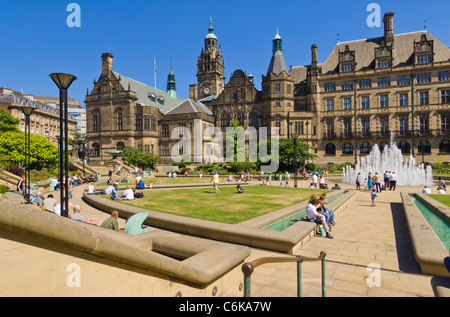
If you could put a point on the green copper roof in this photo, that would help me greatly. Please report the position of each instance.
(277, 37)
(210, 34)
(277, 42)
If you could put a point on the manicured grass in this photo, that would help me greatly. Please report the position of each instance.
(163, 180)
(443, 199)
(227, 206)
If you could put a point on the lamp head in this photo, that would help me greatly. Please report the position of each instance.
(63, 81)
(27, 110)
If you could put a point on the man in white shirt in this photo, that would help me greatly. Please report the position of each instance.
(313, 215)
(128, 194)
(57, 209)
(393, 180)
(314, 177)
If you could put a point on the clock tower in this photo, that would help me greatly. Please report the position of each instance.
(210, 67)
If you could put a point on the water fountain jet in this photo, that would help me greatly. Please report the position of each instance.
(408, 173)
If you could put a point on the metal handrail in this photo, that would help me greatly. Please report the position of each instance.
(249, 267)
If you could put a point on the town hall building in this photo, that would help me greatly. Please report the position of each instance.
(363, 93)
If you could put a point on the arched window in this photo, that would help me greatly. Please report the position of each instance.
(424, 147)
(96, 150)
(120, 146)
(330, 149)
(253, 119)
(240, 117)
(365, 148)
(404, 147)
(347, 148)
(224, 121)
(444, 146)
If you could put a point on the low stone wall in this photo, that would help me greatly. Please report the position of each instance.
(248, 233)
(37, 249)
(429, 250)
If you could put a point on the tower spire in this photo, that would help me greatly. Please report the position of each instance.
(171, 86)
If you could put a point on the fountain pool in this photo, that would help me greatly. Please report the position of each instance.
(408, 173)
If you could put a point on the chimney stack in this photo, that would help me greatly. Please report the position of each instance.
(388, 21)
(314, 55)
(107, 64)
(193, 92)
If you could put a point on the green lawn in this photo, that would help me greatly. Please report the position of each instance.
(227, 206)
(164, 180)
(443, 199)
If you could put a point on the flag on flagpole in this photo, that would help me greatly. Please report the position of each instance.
(154, 64)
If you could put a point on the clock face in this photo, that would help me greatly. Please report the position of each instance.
(206, 90)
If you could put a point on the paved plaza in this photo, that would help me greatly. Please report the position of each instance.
(368, 241)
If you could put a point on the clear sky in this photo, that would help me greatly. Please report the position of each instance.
(37, 41)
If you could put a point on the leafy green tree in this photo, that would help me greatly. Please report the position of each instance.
(237, 165)
(288, 155)
(131, 155)
(138, 158)
(7, 122)
(42, 151)
(147, 159)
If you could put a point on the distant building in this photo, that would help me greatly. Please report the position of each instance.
(44, 121)
(75, 109)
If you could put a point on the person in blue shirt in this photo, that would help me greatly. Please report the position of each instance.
(115, 193)
(373, 195)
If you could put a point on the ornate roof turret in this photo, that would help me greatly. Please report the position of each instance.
(210, 34)
(277, 63)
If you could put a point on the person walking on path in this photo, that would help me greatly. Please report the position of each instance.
(358, 181)
(377, 182)
(393, 181)
(373, 195)
(215, 180)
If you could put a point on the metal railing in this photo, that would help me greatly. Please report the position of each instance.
(249, 267)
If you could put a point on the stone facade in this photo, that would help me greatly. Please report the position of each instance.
(44, 120)
(364, 92)
(383, 77)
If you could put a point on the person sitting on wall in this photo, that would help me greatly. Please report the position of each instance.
(336, 187)
(314, 216)
(140, 184)
(426, 190)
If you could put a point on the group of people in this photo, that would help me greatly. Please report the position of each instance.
(50, 204)
(441, 189)
(318, 212)
(113, 190)
(377, 182)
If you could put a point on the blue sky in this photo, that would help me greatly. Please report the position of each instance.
(36, 40)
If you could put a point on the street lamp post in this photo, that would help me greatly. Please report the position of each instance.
(63, 81)
(27, 111)
(413, 114)
(295, 137)
(307, 137)
(81, 147)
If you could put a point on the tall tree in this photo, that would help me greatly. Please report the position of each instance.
(7, 122)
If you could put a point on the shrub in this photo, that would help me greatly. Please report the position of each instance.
(310, 167)
(3, 189)
(15, 169)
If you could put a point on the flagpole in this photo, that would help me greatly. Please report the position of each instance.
(154, 69)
